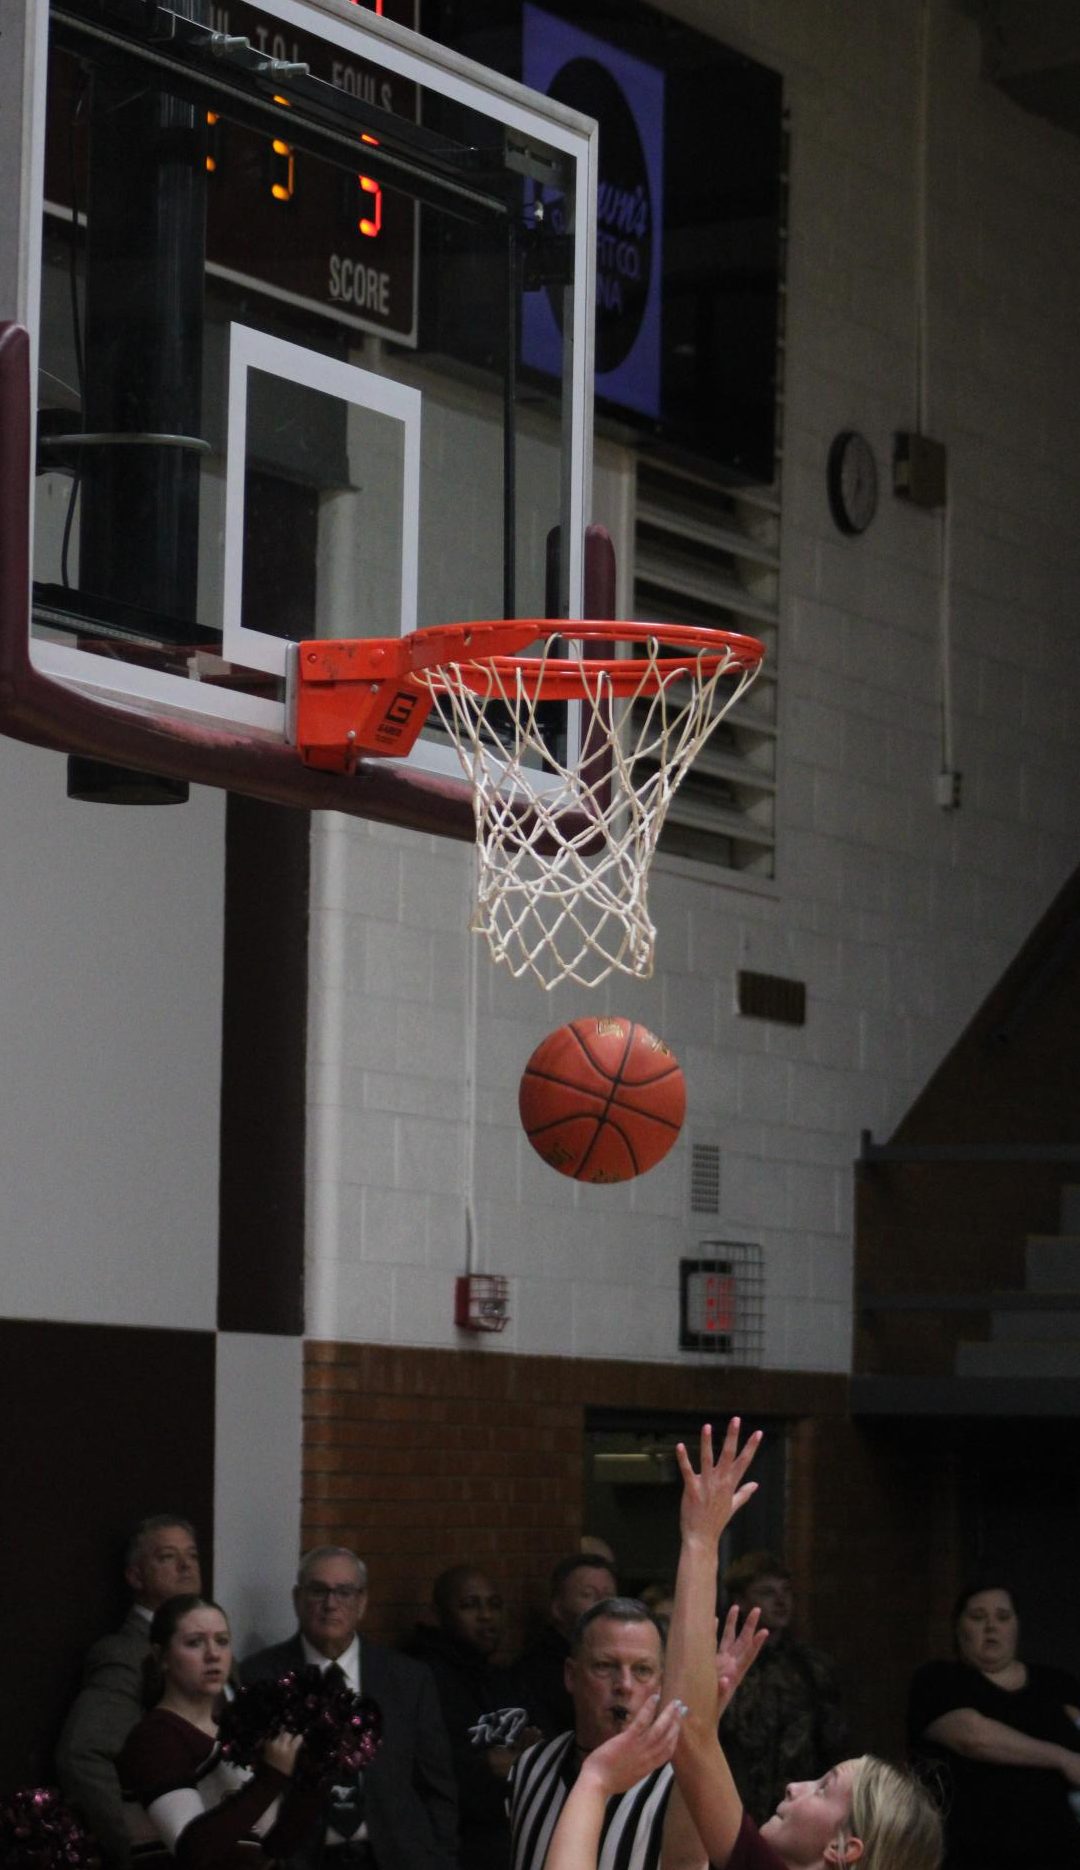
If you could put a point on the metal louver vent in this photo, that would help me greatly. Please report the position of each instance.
(708, 556)
(707, 553)
(704, 1178)
(771, 996)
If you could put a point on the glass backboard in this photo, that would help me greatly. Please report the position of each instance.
(276, 264)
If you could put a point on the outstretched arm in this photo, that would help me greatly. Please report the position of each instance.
(738, 1651)
(647, 1743)
(710, 1500)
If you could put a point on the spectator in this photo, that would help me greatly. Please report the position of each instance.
(614, 1668)
(786, 1723)
(486, 1725)
(401, 1813)
(198, 1807)
(577, 1583)
(1004, 1735)
(160, 1561)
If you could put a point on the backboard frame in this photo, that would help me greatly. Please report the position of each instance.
(258, 350)
(44, 712)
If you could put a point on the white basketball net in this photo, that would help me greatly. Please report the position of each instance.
(563, 852)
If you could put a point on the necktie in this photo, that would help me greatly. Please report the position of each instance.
(345, 1806)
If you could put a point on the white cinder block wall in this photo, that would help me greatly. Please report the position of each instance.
(110, 1037)
(898, 916)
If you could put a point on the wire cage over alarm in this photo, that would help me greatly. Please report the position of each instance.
(563, 845)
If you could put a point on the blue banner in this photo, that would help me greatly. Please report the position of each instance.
(626, 96)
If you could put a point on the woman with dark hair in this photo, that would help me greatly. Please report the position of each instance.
(1003, 1734)
(195, 1805)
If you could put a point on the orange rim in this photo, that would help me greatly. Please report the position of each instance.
(477, 651)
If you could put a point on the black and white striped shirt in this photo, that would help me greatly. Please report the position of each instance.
(541, 1779)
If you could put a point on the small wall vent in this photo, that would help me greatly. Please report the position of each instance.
(704, 1178)
(770, 996)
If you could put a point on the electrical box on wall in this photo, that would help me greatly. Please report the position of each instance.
(920, 470)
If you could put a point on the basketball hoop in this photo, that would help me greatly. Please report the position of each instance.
(563, 869)
(564, 843)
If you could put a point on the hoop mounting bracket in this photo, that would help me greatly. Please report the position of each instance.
(354, 697)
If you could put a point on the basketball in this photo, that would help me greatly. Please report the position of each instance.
(602, 1099)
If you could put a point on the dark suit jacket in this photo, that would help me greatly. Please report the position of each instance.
(102, 1716)
(410, 1799)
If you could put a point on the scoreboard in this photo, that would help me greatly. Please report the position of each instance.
(313, 233)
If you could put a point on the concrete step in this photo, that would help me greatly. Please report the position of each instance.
(1020, 1357)
(1053, 1262)
(1070, 1208)
(1060, 1321)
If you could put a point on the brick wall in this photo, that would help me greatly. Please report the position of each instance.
(422, 1459)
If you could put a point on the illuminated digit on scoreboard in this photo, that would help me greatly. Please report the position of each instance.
(282, 170)
(282, 161)
(371, 224)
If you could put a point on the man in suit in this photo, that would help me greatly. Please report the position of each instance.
(401, 1812)
(161, 1561)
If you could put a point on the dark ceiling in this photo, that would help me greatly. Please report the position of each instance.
(1031, 48)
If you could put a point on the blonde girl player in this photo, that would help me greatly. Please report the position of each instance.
(860, 1812)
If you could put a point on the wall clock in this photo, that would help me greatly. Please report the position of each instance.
(852, 483)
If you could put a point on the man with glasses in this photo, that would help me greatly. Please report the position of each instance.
(401, 1812)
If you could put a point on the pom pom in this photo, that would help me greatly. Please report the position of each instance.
(342, 1731)
(38, 1832)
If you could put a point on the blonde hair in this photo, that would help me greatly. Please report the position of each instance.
(895, 1818)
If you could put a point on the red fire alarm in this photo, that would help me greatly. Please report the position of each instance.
(480, 1302)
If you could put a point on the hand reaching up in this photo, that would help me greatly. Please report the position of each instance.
(712, 1498)
(737, 1653)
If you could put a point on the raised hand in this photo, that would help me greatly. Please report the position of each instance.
(648, 1742)
(737, 1653)
(713, 1497)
